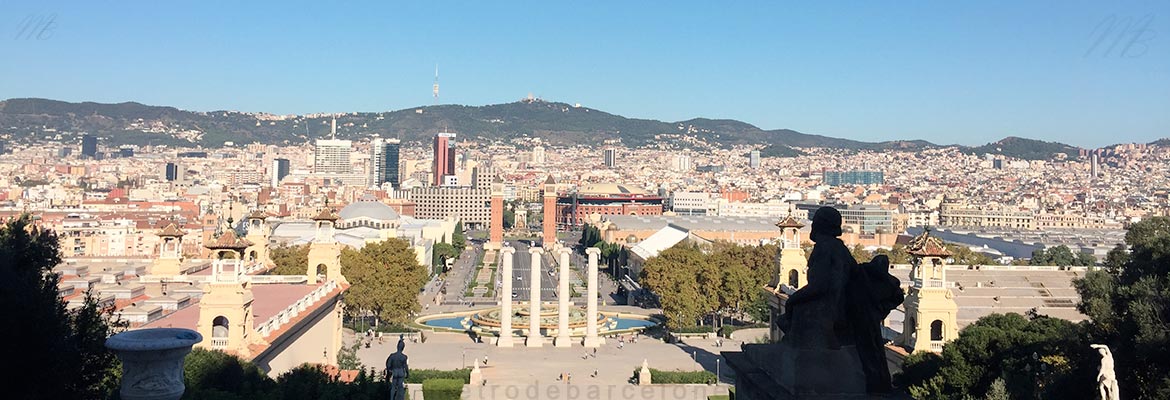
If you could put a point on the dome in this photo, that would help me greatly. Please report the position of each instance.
(375, 210)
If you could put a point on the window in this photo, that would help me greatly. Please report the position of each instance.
(936, 330)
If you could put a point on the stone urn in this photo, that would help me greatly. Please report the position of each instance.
(152, 361)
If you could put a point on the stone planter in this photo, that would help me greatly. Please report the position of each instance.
(152, 361)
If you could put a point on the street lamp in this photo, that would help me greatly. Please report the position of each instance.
(464, 358)
(716, 371)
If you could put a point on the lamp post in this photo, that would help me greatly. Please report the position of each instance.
(716, 371)
(464, 358)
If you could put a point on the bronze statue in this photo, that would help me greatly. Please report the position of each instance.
(398, 370)
(832, 340)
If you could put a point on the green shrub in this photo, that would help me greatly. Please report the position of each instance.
(718, 397)
(422, 375)
(694, 329)
(681, 377)
(726, 330)
(442, 389)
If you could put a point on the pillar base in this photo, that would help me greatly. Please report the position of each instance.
(594, 341)
(563, 341)
(504, 341)
(534, 342)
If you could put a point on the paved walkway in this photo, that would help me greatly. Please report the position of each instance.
(511, 372)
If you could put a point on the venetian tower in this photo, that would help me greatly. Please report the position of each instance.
(931, 311)
(325, 252)
(791, 266)
(496, 226)
(170, 252)
(258, 232)
(225, 310)
(549, 235)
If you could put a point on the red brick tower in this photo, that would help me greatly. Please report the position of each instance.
(550, 212)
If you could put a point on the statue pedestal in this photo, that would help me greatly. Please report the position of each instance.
(778, 371)
(152, 361)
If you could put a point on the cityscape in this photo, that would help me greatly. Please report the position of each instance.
(514, 246)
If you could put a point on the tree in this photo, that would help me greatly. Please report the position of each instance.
(1035, 357)
(385, 279)
(860, 253)
(441, 253)
(963, 255)
(509, 215)
(290, 260)
(458, 238)
(1128, 302)
(347, 357)
(897, 254)
(58, 353)
(674, 276)
(213, 374)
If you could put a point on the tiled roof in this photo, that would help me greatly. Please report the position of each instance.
(171, 230)
(789, 222)
(326, 214)
(925, 245)
(229, 240)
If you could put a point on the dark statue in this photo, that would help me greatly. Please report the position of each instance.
(832, 340)
(398, 371)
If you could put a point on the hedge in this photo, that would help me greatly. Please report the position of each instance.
(658, 376)
(694, 329)
(442, 389)
(422, 375)
(726, 330)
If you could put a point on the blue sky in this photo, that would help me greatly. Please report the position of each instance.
(1084, 73)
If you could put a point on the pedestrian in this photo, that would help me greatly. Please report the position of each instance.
(570, 380)
(485, 361)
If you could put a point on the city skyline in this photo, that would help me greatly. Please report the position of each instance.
(870, 73)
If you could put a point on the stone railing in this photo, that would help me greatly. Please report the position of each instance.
(289, 313)
(266, 279)
(219, 343)
(936, 346)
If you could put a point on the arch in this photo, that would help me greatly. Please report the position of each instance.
(936, 330)
(219, 327)
(252, 255)
(794, 279)
(321, 269)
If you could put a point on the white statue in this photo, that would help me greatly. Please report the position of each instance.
(1106, 379)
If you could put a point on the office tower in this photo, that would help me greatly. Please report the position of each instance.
(754, 159)
(172, 172)
(1095, 165)
(88, 145)
(61, 152)
(680, 163)
(997, 163)
(538, 154)
(125, 152)
(332, 156)
(280, 167)
(444, 158)
(610, 157)
(384, 161)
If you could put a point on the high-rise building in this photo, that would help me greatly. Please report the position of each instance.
(1095, 165)
(856, 177)
(332, 157)
(444, 157)
(538, 154)
(610, 157)
(125, 152)
(754, 159)
(280, 167)
(680, 163)
(384, 161)
(88, 145)
(172, 172)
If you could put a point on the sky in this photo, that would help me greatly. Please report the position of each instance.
(1084, 73)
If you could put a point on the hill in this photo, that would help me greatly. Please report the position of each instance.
(558, 123)
(1028, 149)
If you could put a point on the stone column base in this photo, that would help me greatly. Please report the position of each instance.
(504, 341)
(534, 341)
(563, 341)
(594, 341)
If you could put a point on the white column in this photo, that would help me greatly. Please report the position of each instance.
(534, 339)
(505, 339)
(591, 339)
(563, 300)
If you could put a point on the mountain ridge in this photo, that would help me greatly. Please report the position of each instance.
(559, 123)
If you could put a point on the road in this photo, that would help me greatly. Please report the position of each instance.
(522, 272)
